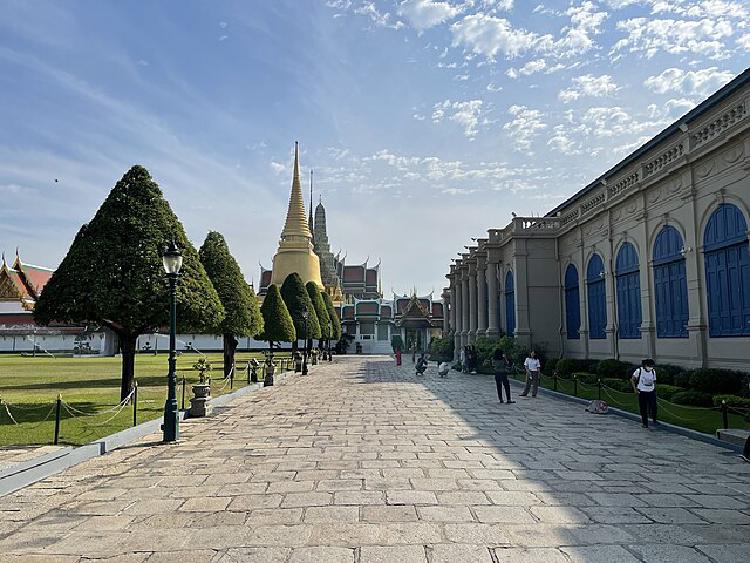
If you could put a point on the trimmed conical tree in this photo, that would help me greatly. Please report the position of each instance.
(335, 321)
(297, 300)
(241, 307)
(320, 310)
(278, 325)
(335, 333)
(113, 273)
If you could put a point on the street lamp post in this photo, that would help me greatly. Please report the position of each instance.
(305, 314)
(172, 260)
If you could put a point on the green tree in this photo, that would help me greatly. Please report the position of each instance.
(320, 310)
(335, 321)
(297, 300)
(113, 273)
(278, 325)
(239, 301)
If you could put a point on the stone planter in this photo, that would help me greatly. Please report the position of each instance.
(268, 379)
(200, 404)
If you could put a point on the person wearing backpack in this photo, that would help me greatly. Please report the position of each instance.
(501, 366)
(644, 384)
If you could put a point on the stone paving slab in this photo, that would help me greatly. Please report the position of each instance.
(364, 462)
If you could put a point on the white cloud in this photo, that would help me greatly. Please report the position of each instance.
(677, 107)
(492, 87)
(701, 8)
(744, 42)
(525, 125)
(693, 82)
(424, 14)
(703, 37)
(489, 36)
(562, 141)
(278, 168)
(466, 114)
(380, 19)
(588, 85)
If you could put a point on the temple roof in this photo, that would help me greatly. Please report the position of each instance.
(22, 282)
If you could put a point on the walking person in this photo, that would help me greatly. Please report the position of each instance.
(533, 370)
(501, 365)
(644, 384)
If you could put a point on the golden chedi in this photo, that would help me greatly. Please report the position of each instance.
(295, 252)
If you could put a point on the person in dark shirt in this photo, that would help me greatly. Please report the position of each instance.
(501, 366)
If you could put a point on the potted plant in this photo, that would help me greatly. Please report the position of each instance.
(200, 403)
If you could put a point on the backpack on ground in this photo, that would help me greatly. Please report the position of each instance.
(597, 407)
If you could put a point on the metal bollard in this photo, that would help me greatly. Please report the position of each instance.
(599, 384)
(58, 406)
(724, 414)
(135, 404)
(183, 392)
(575, 385)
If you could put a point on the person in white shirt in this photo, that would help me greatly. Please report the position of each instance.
(443, 369)
(644, 383)
(533, 369)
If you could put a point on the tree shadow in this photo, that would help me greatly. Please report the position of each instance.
(588, 467)
(44, 412)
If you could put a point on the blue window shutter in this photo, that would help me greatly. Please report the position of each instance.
(572, 303)
(597, 298)
(670, 285)
(628, 288)
(727, 266)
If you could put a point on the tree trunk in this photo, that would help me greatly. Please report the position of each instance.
(230, 345)
(270, 349)
(127, 345)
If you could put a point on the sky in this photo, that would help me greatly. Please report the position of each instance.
(426, 122)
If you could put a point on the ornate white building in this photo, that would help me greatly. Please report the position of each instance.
(651, 259)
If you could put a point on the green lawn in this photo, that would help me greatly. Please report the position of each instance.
(92, 386)
(701, 419)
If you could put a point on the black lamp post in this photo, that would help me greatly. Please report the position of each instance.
(305, 314)
(172, 263)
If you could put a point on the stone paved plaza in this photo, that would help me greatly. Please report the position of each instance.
(363, 462)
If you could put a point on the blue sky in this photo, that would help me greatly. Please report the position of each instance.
(427, 122)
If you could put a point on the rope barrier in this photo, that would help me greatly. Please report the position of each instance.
(686, 406)
(24, 408)
(27, 424)
(125, 401)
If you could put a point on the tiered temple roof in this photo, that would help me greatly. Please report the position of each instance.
(21, 285)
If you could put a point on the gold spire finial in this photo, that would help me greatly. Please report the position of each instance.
(296, 222)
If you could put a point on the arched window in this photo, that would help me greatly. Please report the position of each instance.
(628, 282)
(597, 298)
(727, 263)
(670, 284)
(572, 303)
(510, 307)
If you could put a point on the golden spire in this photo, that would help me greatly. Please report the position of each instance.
(295, 252)
(296, 222)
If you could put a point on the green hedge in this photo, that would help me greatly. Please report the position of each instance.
(667, 392)
(614, 369)
(734, 401)
(722, 381)
(622, 385)
(693, 398)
